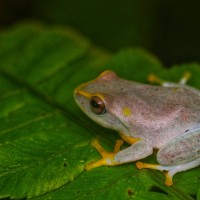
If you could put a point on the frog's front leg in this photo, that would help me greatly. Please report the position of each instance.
(107, 157)
(137, 151)
(180, 154)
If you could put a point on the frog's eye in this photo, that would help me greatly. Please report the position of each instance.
(97, 105)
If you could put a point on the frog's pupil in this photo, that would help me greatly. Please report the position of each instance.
(94, 104)
(97, 105)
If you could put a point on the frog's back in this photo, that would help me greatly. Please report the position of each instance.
(157, 110)
(163, 111)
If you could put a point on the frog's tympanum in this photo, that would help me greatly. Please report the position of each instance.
(166, 118)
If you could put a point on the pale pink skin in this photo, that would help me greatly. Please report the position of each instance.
(165, 118)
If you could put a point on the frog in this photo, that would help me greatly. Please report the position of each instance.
(164, 118)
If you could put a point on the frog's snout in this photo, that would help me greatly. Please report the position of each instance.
(77, 89)
(77, 94)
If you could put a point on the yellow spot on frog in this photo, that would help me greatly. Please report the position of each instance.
(126, 112)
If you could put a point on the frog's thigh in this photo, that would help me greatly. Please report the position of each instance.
(180, 150)
(180, 154)
(136, 151)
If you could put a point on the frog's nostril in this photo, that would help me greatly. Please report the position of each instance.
(76, 92)
(76, 95)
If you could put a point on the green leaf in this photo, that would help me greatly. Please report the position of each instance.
(45, 138)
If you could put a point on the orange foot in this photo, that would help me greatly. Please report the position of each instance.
(107, 157)
(152, 78)
(168, 176)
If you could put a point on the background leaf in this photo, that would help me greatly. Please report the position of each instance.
(45, 138)
(165, 28)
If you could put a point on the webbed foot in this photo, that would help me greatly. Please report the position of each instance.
(169, 171)
(107, 157)
(168, 175)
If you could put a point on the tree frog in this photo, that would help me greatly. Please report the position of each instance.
(165, 117)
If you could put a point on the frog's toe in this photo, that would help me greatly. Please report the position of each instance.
(118, 145)
(170, 171)
(168, 180)
(107, 157)
(186, 76)
(168, 174)
(152, 78)
(141, 165)
(95, 164)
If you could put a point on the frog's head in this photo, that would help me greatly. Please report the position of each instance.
(95, 98)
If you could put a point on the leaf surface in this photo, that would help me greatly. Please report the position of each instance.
(45, 138)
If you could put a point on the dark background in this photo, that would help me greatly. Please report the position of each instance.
(170, 29)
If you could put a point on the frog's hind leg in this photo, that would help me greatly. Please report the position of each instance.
(152, 78)
(169, 171)
(182, 83)
(179, 154)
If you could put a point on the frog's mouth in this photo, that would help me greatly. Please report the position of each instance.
(124, 129)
